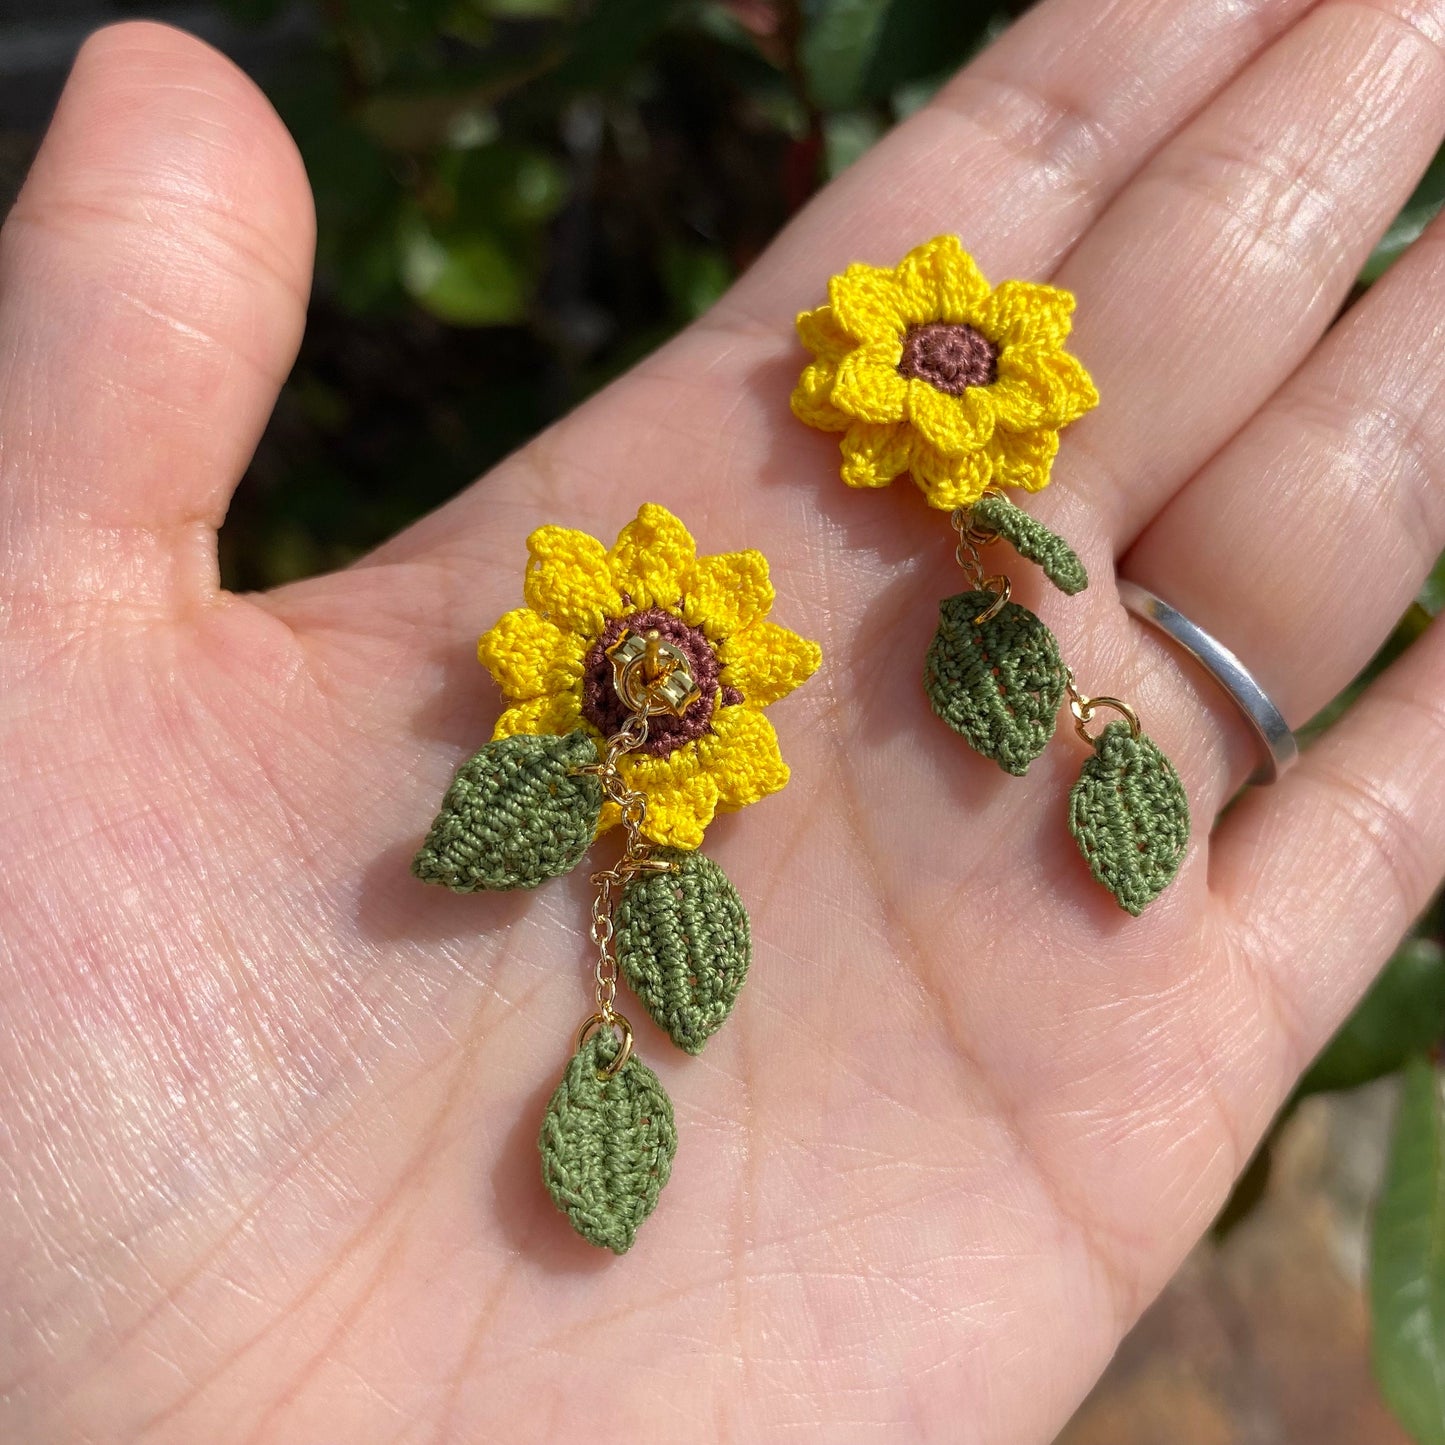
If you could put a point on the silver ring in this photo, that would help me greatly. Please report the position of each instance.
(1266, 722)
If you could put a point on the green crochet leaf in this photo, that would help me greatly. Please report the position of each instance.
(1033, 540)
(607, 1145)
(998, 683)
(684, 944)
(1130, 817)
(515, 815)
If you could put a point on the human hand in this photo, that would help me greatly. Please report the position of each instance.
(268, 1107)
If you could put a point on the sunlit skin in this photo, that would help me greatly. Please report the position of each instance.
(268, 1106)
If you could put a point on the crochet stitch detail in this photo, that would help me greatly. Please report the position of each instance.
(684, 944)
(998, 683)
(1032, 540)
(546, 657)
(924, 368)
(607, 1145)
(1129, 814)
(515, 815)
(949, 356)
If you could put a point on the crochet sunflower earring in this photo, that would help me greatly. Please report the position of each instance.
(635, 679)
(926, 369)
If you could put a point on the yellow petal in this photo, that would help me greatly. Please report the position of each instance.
(553, 715)
(527, 655)
(866, 303)
(651, 556)
(869, 386)
(741, 754)
(1057, 382)
(568, 581)
(1016, 402)
(1024, 313)
(812, 398)
(765, 662)
(1072, 390)
(727, 593)
(681, 796)
(953, 425)
(940, 282)
(821, 334)
(949, 482)
(873, 455)
(1023, 459)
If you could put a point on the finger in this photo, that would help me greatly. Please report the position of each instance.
(1324, 872)
(153, 282)
(1324, 515)
(1020, 153)
(1223, 261)
(1022, 150)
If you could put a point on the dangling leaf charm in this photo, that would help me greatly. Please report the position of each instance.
(684, 944)
(1033, 540)
(996, 680)
(607, 1142)
(1130, 817)
(516, 814)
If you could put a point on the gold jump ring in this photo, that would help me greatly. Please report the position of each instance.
(608, 1021)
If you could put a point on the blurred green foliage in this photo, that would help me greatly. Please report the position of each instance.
(519, 198)
(1407, 1265)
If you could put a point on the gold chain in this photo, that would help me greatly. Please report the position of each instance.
(968, 556)
(636, 855)
(642, 681)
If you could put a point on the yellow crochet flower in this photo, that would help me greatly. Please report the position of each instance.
(549, 659)
(925, 369)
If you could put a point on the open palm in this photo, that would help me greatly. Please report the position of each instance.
(268, 1106)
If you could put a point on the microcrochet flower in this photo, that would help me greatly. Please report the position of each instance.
(550, 660)
(925, 369)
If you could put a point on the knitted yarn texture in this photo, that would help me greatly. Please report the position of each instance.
(998, 683)
(549, 659)
(607, 1145)
(683, 945)
(1130, 817)
(515, 815)
(1032, 540)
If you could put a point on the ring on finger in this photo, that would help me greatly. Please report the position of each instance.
(1279, 749)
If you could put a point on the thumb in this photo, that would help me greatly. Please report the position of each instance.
(153, 282)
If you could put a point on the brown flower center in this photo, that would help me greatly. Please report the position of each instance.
(606, 711)
(949, 355)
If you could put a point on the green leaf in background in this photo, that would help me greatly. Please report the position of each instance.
(514, 186)
(525, 9)
(838, 41)
(467, 278)
(1402, 1015)
(846, 135)
(1419, 211)
(918, 39)
(610, 39)
(375, 29)
(1407, 1270)
(859, 51)
(420, 115)
(1432, 594)
(695, 276)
